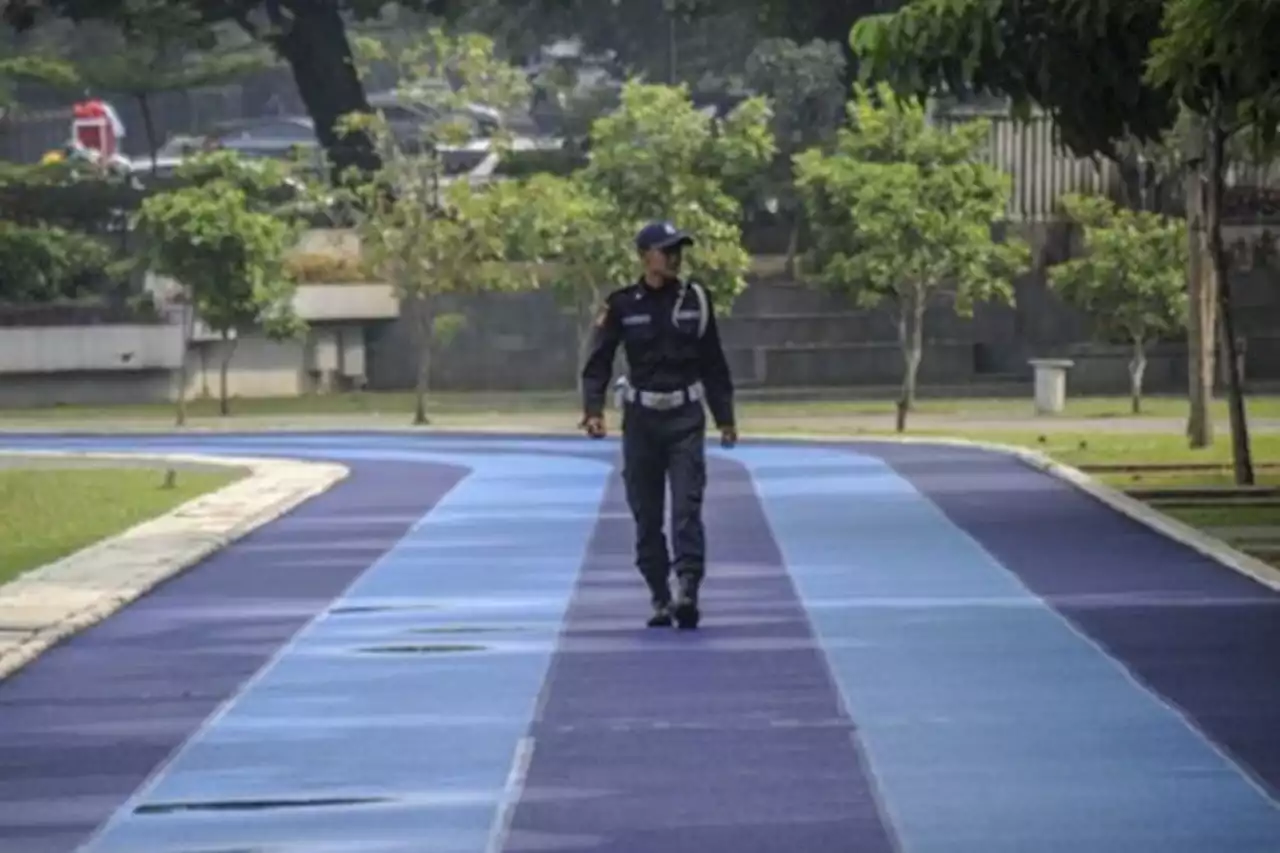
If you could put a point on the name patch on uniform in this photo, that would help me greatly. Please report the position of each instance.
(636, 320)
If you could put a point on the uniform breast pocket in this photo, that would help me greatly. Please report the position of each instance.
(688, 323)
(638, 328)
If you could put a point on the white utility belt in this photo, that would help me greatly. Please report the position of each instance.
(660, 400)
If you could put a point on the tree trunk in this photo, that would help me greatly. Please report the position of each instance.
(149, 129)
(422, 309)
(911, 338)
(1240, 451)
(1200, 308)
(1137, 369)
(313, 40)
(184, 368)
(586, 329)
(793, 244)
(224, 368)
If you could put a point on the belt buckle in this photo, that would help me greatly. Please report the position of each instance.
(661, 401)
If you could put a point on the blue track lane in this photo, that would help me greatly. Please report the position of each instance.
(992, 725)
(406, 705)
(909, 689)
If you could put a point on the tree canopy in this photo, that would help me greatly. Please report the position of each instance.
(904, 212)
(1130, 279)
(1082, 62)
(310, 36)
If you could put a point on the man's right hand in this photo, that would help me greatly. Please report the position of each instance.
(594, 426)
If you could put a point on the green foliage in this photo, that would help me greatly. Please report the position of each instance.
(805, 87)
(1221, 52)
(68, 194)
(577, 238)
(1131, 280)
(453, 241)
(1082, 61)
(523, 164)
(427, 235)
(903, 212)
(438, 77)
(44, 69)
(658, 157)
(157, 46)
(901, 209)
(49, 264)
(327, 268)
(445, 328)
(269, 186)
(229, 256)
(60, 232)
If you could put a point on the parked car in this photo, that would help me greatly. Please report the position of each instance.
(291, 136)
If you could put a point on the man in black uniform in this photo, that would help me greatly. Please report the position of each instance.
(667, 327)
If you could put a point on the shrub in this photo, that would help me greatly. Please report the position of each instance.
(48, 264)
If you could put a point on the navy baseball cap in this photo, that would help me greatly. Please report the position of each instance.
(661, 235)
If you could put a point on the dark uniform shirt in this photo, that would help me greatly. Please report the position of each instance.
(664, 351)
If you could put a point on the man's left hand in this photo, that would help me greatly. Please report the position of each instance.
(728, 436)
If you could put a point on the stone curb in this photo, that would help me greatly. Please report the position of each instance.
(48, 604)
(1182, 533)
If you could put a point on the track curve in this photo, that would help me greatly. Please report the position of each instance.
(907, 647)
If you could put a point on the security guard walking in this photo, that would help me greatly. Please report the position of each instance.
(667, 327)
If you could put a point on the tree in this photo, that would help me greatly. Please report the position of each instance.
(440, 79)
(903, 212)
(310, 35)
(49, 263)
(1131, 280)
(668, 41)
(226, 247)
(432, 245)
(1083, 62)
(62, 233)
(44, 69)
(161, 48)
(432, 236)
(576, 238)
(806, 88)
(1218, 57)
(657, 157)
(643, 32)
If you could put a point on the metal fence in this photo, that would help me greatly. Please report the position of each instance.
(1043, 170)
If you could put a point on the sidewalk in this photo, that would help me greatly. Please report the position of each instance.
(45, 605)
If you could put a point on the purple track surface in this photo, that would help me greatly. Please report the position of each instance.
(86, 724)
(734, 738)
(665, 709)
(1189, 630)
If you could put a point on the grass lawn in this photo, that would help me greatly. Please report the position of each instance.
(844, 413)
(1227, 516)
(479, 405)
(1104, 448)
(49, 513)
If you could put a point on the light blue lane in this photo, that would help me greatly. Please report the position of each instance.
(990, 725)
(400, 714)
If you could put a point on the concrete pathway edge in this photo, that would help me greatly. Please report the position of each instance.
(1193, 538)
(46, 605)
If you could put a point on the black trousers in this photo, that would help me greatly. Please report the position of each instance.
(661, 447)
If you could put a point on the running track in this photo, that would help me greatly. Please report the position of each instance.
(906, 648)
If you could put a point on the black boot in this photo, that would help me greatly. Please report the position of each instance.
(685, 610)
(661, 617)
(660, 597)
